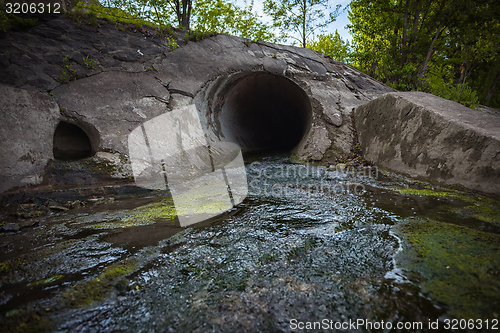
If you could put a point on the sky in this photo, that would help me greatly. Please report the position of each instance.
(338, 25)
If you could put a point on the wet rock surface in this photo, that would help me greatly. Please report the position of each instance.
(291, 250)
(424, 135)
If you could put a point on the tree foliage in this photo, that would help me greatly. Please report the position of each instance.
(300, 19)
(434, 45)
(211, 16)
(158, 12)
(225, 17)
(332, 45)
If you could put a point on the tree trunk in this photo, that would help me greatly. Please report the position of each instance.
(405, 24)
(304, 9)
(373, 68)
(184, 12)
(492, 89)
(430, 51)
(396, 25)
(424, 17)
(418, 6)
(463, 71)
(402, 60)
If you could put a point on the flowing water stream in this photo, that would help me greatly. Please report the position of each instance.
(309, 244)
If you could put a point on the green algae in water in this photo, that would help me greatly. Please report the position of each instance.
(26, 320)
(87, 293)
(4, 267)
(144, 215)
(460, 267)
(481, 207)
(432, 193)
(484, 209)
(161, 210)
(202, 200)
(51, 279)
(15, 268)
(193, 201)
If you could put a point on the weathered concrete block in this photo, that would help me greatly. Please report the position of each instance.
(113, 103)
(27, 124)
(423, 135)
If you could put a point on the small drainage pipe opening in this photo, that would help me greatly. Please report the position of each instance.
(71, 142)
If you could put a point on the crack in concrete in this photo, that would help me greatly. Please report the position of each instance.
(66, 114)
(287, 51)
(163, 100)
(180, 92)
(299, 68)
(122, 119)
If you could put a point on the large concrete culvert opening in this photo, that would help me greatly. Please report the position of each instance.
(261, 111)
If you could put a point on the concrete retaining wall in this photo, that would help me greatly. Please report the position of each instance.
(423, 135)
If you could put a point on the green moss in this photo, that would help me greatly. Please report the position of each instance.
(460, 267)
(51, 279)
(12, 268)
(100, 166)
(87, 293)
(192, 202)
(12, 313)
(26, 320)
(480, 207)
(161, 210)
(431, 193)
(117, 270)
(4, 267)
(202, 199)
(487, 210)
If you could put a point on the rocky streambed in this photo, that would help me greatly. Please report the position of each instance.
(308, 244)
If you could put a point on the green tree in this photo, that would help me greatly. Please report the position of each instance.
(332, 45)
(182, 9)
(157, 12)
(218, 16)
(300, 19)
(426, 44)
(225, 17)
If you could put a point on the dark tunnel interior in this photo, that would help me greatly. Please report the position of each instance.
(71, 142)
(262, 111)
